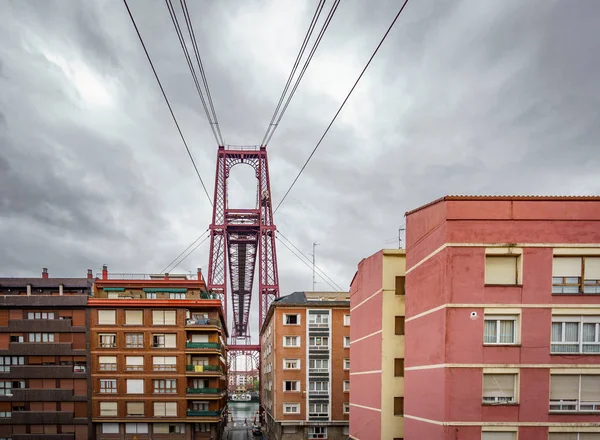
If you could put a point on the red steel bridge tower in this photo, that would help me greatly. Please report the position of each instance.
(238, 238)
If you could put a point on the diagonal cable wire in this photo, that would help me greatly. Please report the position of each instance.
(298, 257)
(322, 273)
(191, 252)
(342, 106)
(168, 266)
(296, 63)
(166, 99)
(216, 132)
(305, 67)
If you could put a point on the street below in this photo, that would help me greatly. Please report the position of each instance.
(240, 420)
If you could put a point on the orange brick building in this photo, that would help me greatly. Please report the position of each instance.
(305, 362)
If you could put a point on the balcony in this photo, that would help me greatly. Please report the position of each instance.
(42, 418)
(203, 345)
(43, 437)
(43, 395)
(208, 391)
(203, 322)
(208, 369)
(46, 372)
(44, 349)
(43, 325)
(192, 413)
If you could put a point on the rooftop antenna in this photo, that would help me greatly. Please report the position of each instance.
(314, 281)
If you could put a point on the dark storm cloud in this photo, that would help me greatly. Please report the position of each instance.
(464, 97)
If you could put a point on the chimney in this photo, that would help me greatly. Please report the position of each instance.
(199, 274)
(166, 275)
(104, 272)
(44, 273)
(90, 275)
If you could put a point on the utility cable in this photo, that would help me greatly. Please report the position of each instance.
(342, 106)
(322, 273)
(166, 100)
(298, 257)
(305, 67)
(192, 251)
(168, 266)
(298, 58)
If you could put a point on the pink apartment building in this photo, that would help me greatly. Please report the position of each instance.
(502, 319)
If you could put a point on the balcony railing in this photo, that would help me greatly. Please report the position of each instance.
(204, 390)
(203, 321)
(193, 413)
(208, 295)
(202, 368)
(205, 345)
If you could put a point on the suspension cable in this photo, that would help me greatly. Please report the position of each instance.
(342, 106)
(168, 266)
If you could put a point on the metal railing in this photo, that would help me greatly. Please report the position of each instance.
(207, 345)
(204, 390)
(210, 368)
(194, 413)
(203, 321)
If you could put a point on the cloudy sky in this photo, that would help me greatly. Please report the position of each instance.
(471, 97)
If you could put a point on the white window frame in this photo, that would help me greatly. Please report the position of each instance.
(318, 387)
(110, 428)
(347, 339)
(498, 318)
(323, 318)
(159, 317)
(346, 364)
(136, 428)
(346, 407)
(317, 432)
(346, 386)
(294, 406)
(318, 410)
(297, 390)
(580, 320)
(514, 433)
(347, 320)
(297, 362)
(587, 407)
(297, 315)
(319, 369)
(109, 336)
(318, 342)
(297, 340)
(501, 400)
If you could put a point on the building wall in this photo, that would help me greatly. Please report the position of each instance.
(448, 300)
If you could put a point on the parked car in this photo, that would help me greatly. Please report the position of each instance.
(256, 430)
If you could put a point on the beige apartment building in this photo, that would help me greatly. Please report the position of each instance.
(305, 366)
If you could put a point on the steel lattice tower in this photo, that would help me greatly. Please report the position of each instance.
(237, 237)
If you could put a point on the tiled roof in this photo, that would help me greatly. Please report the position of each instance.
(41, 283)
(507, 197)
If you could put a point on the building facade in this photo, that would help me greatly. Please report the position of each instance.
(157, 358)
(44, 386)
(305, 342)
(503, 319)
(377, 303)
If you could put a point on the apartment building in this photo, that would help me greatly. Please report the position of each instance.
(503, 319)
(44, 373)
(305, 343)
(157, 358)
(377, 347)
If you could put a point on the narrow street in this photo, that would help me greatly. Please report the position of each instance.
(240, 424)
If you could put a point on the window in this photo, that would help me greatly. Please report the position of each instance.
(346, 364)
(134, 317)
(318, 387)
(107, 317)
(499, 388)
(41, 315)
(136, 428)
(318, 318)
(291, 408)
(291, 341)
(176, 295)
(346, 386)
(291, 319)
(317, 432)
(6, 387)
(399, 325)
(289, 429)
(568, 272)
(135, 409)
(291, 385)
(291, 364)
(400, 285)
(109, 428)
(575, 334)
(5, 414)
(574, 436)
(107, 363)
(318, 410)
(164, 317)
(175, 428)
(318, 365)
(108, 385)
(346, 320)
(498, 435)
(398, 406)
(40, 337)
(575, 393)
(500, 329)
(165, 386)
(134, 340)
(318, 342)
(502, 269)
(346, 341)
(135, 386)
(7, 361)
(134, 363)
(150, 295)
(108, 340)
(165, 409)
(398, 367)
(164, 340)
(108, 409)
(346, 408)
(164, 363)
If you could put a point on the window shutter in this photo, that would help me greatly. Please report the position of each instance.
(590, 388)
(159, 408)
(134, 317)
(135, 386)
(134, 360)
(498, 436)
(110, 428)
(566, 267)
(199, 338)
(592, 268)
(171, 340)
(108, 408)
(564, 387)
(160, 428)
(135, 408)
(562, 436)
(157, 317)
(501, 270)
(170, 317)
(107, 317)
(171, 409)
(170, 360)
(158, 360)
(107, 359)
(498, 385)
